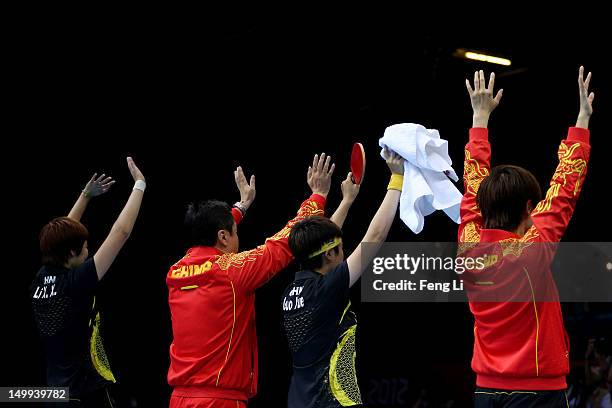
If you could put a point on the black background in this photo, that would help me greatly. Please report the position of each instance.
(190, 101)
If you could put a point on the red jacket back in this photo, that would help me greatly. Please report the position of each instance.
(212, 304)
(521, 344)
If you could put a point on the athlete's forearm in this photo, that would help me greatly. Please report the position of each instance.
(583, 120)
(341, 212)
(480, 120)
(79, 207)
(382, 221)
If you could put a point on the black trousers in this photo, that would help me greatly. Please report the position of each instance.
(491, 398)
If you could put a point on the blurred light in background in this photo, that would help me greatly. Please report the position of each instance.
(479, 56)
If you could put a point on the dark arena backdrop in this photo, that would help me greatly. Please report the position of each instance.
(190, 104)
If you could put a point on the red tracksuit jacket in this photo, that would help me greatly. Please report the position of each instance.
(212, 304)
(522, 345)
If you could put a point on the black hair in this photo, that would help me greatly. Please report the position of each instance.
(308, 236)
(503, 196)
(205, 219)
(60, 238)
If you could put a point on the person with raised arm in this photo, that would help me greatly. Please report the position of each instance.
(63, 295)
(211, 293)
(521, 349)
(319, 325)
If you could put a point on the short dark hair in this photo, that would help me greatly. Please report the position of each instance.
(503, 195)
(308, 236)
(59, 237)
(205, 218)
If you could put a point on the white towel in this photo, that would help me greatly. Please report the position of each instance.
(426, 167)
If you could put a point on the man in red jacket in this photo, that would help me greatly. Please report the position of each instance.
(211, 293)
(521, 352)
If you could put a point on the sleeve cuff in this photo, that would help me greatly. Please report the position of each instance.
(237, 214)
(576, 134)
(479, 134)
(319, 199)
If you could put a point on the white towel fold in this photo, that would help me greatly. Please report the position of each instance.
(426, 167)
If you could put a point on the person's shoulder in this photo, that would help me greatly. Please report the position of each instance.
(39, 276)
(338, 278)
(342, 267)
(288, 288)
(306, 276)
(43, 270)
(87, 265)
(304, 282)
(84, 274)
(49, 269)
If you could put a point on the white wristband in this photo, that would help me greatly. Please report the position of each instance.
(241, 207)
(140, 185)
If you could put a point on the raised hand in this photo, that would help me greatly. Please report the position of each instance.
(319, 174)
(134, 170)
(586, 99)
(247, 189)
(394, 161)
(349, 189)
(98, 186)
(349, 193)
(481, 97)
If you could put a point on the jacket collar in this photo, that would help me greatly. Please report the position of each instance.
(198, 251)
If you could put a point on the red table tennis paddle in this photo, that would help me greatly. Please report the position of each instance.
(358, 163)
